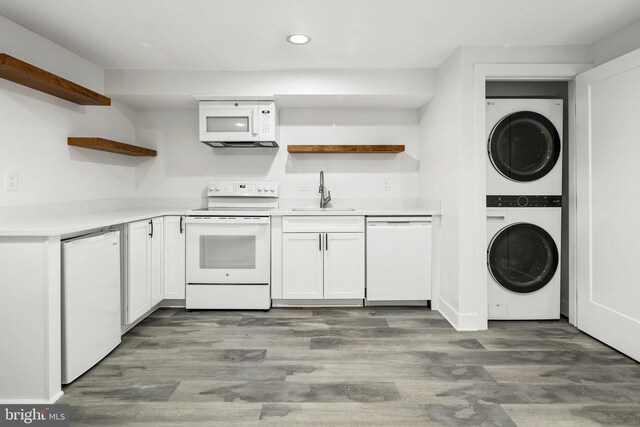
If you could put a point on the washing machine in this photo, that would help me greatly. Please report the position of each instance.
(524, 146)
(523, 257)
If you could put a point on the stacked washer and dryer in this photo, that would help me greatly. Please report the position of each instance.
(524, 199)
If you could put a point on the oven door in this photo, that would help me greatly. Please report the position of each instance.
(228, 250)
(229, 122)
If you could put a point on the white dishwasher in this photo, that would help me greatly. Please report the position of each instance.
(90, 301)
(398, 259)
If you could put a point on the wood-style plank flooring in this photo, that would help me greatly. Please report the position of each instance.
(357, 366)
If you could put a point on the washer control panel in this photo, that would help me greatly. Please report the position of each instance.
(242, 189)
(524, 201)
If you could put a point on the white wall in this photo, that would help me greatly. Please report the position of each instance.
(184, 165)
(24, 44)
(439, 176)
(616, 44)
(34, 128)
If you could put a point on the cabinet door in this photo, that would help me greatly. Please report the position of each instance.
(157, 237)
(174, 257)
(344, 266)
(302, 266)
(138, 270)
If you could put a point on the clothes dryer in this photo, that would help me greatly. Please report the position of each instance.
(524, 146)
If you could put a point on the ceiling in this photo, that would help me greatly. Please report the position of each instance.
(250, 34)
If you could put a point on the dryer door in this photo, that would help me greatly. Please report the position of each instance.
(524, 146)
(522, 257)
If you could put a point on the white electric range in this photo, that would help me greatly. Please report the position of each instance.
(228, 259)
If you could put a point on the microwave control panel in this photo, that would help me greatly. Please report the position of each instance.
(242, 189)
(265, 120)
(268, 117)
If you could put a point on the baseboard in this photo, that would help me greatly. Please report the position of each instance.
(460, 321)
(57, 397)
(53, 400)
(172, 303)
(152, 310)
(403, 303)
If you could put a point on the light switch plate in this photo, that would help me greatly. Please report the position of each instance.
(386, 186)
(11, 181)
(305, 184)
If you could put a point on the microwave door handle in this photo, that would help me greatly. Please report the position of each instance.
(254, 125)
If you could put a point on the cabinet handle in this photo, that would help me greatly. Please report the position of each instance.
(326, 242)
(181, 218)
(151, 232)
(319, 242)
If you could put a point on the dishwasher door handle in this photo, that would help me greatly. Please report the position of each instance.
(402, 220)
(403, 224)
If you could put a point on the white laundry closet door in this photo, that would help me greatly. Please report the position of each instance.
(608, 204)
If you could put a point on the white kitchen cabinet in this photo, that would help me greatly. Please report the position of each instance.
(174, 257)
(323, 265)
(303, 262)
(344, 265)
(138, 270)
(157, 257)
(144, 267)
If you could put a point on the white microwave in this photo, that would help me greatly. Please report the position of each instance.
(239, 123)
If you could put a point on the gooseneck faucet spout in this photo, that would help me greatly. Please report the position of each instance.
(324, 201)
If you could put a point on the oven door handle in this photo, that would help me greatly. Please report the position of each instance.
(227, 220)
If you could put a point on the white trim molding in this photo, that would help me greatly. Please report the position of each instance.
(531, 72)
(462, 322)
(50, 401)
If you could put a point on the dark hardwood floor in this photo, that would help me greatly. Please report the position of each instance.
(360, 366)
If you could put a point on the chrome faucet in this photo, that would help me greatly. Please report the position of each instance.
(323, 200)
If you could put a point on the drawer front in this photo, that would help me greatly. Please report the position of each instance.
(323, 224)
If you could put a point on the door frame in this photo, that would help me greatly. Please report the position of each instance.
(515, 72)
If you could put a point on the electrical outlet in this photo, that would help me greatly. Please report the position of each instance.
(386, 186)
(305, 184)
(11, 181)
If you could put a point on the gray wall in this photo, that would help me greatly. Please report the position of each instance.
(555, 90)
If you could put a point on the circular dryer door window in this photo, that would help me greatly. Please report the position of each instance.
(523, 258)
(524, 146)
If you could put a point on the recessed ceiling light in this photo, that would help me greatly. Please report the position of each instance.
(298, 38)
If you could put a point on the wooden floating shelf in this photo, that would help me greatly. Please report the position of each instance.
(36, 78)
(345, 148)
(111, 146)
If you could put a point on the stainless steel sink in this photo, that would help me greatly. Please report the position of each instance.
(323, 209)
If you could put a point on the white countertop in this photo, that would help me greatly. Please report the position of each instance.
(400, 211)
(60, 222)
(69, 224)
(366, 207)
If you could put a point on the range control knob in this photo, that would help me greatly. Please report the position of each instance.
(523, 201)
(212, 187)
(260, 188)
(272, 188)
(217, 188)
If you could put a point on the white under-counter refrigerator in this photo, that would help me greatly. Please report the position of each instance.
(90, 301)
(399, 258)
